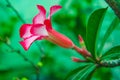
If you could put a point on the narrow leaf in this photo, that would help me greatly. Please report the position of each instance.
(93, 27)
(83, 74)
(113, 52)
(88, 73)
(91, 73)
(111, 28)
(79, 74)
(111, 56)
(75, 71)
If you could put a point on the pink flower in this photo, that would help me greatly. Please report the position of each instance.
(42, 29)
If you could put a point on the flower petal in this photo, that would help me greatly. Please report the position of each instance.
(53, 9)
(39, 29)
(25, 30)
(28, 41)
(40, 17)
(48, 24)
(59, 39)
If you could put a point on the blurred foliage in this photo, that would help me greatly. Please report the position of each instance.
(54, 62)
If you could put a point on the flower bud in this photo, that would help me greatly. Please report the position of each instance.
(82, 51)
(81, 41)
(75, 59)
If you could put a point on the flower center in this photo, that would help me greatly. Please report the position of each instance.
(47, 22)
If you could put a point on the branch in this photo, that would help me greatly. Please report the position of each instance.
(110, 63)
(9, 5)
(115, 5)
(19, 52)
(23, 21)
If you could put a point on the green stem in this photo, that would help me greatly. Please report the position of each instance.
(23, 21)
(110, 63)
(115, 5)
(9, 5)
(20, 53)
(82, 51)
(41, 50)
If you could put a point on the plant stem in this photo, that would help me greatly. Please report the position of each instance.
(115, 5)
(21, 54)
(41, 50)
(9, 5)
(23, 21)
(110, 63)
(82, 51)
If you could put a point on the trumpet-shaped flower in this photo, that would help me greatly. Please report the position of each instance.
(41, 28)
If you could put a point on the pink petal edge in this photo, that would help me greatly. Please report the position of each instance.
(27, 42)
(53, 9)
(41, 16)
(25, 30)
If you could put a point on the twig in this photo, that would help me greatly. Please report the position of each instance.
(20, 53)
(110, 63)
(22, 20)
(9, 5)
(115, 5)
(41, 50)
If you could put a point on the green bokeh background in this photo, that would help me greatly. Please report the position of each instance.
(56, 61)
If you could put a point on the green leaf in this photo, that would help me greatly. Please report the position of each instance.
(73, 72)
(113, 52)
(89, 77)
(111, 56)
(84, 73)
(111, 28)
(81, 73)
(92, 30)
(103, 73)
